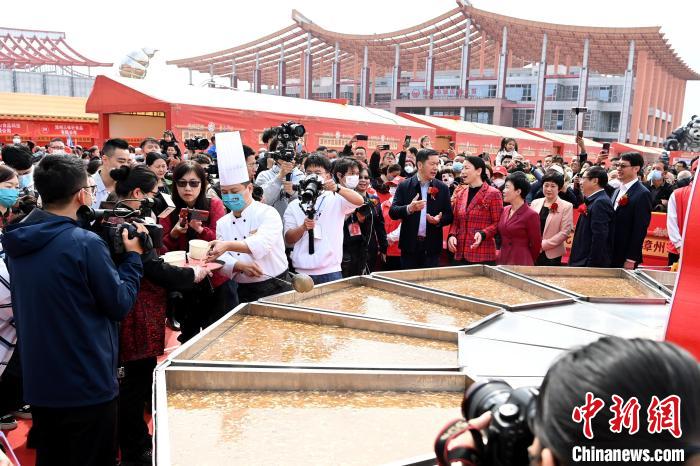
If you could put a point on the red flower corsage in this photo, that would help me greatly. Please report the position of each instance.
(583, 209)
(623, 201)
(432, 191)
(554, 208)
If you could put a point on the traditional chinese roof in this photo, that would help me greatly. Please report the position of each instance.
(20, 48)
(609, 47)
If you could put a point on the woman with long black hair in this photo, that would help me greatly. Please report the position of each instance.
(204, 306)
(142, 332)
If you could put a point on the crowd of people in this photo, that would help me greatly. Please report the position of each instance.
(367, 211)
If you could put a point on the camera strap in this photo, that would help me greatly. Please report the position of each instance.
(447, 454)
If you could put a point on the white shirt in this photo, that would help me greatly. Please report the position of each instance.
(101, 194)
(623, 189)
(674, 233)
(260, 227)
(331, 209)
(424, 212)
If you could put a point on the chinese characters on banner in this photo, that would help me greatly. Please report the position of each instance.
(661, 415)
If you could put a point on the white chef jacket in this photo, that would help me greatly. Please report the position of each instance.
(260, 227)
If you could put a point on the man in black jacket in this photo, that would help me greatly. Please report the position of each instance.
(592, 240)
(632, 203)
(423, 205)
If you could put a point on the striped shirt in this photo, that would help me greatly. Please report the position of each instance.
(8, 333)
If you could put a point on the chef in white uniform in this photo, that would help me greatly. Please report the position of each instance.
(249, 238)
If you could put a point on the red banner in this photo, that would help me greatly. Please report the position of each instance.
(41, 130)
(654, 249)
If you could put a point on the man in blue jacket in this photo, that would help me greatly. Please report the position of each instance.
(422, 203)
(592, 246)
(68, 297)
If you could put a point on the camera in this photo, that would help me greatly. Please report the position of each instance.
(309, 189)
(287, 134)
(110, 222)
(196, 143)
(365, 209)
(511, 430)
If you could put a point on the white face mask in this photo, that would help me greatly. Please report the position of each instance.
(615, 183)
(449, 181)
(58, 152)
(409, 169)
(351, 181)
(16, 141)
(499, 182)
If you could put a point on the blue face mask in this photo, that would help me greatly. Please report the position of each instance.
(25, 180)
(8, 196)
(233, 202)
(457, 166)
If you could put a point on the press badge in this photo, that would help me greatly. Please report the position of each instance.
(318, 232)
(354, 229)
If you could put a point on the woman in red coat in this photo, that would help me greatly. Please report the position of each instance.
(519, 227)
(477, 208)
(212, 299)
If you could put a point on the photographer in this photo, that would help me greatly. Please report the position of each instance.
(364, 236)
(278, 191)
(327, 214)
(69, 330)
(203, 306)
(249, 238)
(115, 154)
(142, 333)
(610, 367)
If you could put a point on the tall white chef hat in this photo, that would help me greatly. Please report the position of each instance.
(231, 159)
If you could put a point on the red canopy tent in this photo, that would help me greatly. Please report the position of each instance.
(134, 109)
(474, 138)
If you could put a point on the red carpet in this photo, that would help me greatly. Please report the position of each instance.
(18, 437)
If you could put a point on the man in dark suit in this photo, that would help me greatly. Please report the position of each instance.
(592, 240)
(632, 203)
(422, 203)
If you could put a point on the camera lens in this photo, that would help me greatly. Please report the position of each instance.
(484, 396)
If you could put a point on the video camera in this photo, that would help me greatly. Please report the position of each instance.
(287, 135)
(196, 143)
(309, 189)
(509, 434)
(111, 220)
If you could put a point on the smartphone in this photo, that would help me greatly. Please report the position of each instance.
(606, 146)
(407, 140)
(361, 137)
(580, 134)
(193, 214)
(384, 147)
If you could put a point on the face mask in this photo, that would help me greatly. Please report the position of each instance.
(351, 181)
(16, 141)
(499, 182)
(449, 181)
(392, 190)
(457, 166)
(409, 169)
(58, 152)
(8, 196)
(615, 183)
(233, 202)
(25, 180)
(654, 175)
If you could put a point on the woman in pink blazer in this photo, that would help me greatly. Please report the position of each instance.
(556, 219)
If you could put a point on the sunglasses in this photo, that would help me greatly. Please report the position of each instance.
(192, 183)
